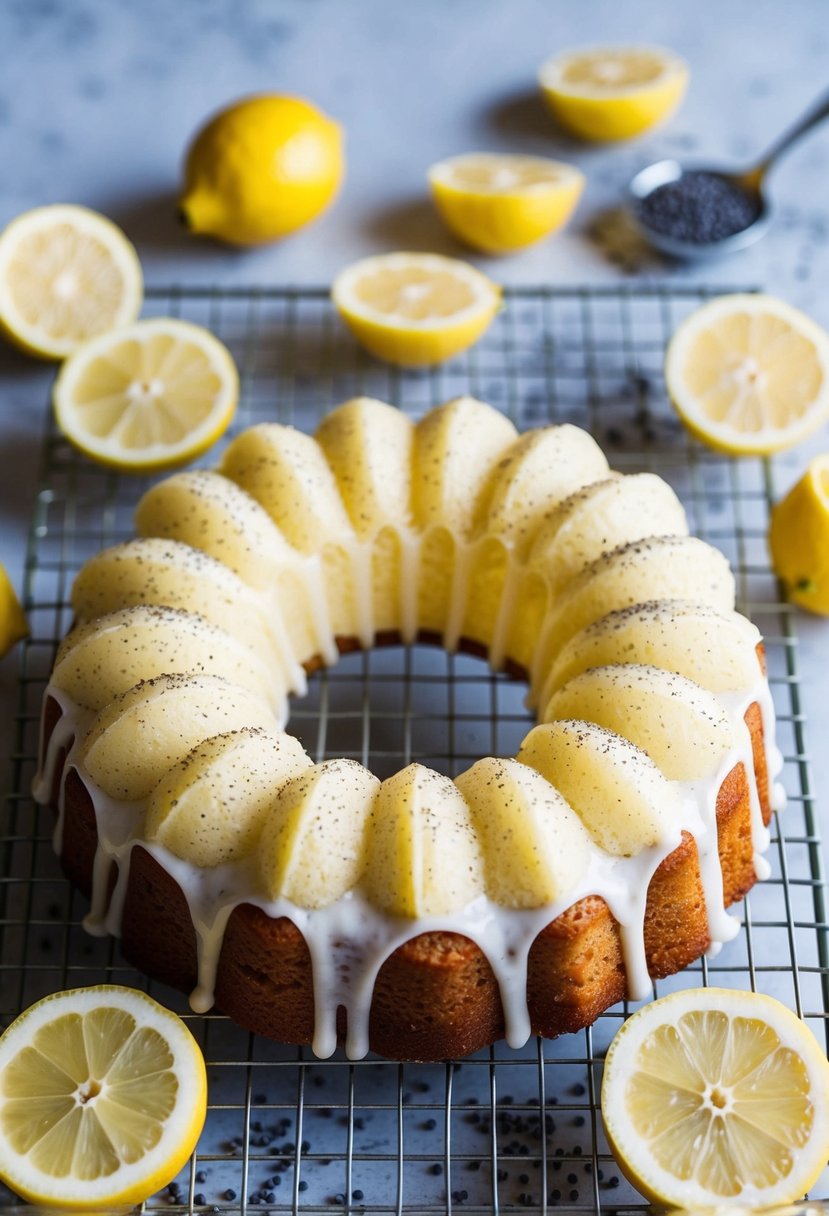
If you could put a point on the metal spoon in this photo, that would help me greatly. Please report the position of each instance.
(748, 181)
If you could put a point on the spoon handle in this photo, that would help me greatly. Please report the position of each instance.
(815, 114)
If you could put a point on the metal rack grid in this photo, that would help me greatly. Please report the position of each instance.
(504, 1130)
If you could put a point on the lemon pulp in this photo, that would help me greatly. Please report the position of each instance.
(712, 1096)
(147, 397)
(66, 275)
(720, 1100)
(415, 308)
(102, 1098)
(749, 374)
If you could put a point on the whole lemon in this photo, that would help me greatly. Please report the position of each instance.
(260, 169)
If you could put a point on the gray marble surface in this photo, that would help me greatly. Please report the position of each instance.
(98, 99)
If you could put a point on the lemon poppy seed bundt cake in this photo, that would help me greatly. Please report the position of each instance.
(421, 917)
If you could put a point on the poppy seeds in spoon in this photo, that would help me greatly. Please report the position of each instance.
(698, 207)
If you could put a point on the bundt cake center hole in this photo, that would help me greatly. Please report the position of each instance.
(395, 705)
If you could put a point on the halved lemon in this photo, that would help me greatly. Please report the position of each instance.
(799, 538)
(147, 396)
(499, 203)
(13, 624)
(415, 308)
(713, 1097)
(66, 275)
(103, 1096)
(613, 92)
(749, 374)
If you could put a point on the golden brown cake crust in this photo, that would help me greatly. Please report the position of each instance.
(436, 996)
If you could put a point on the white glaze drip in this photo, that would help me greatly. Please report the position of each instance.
(350, 940)
(506, 611)
(457, 598)
(321, 617)
(721, 924)
(360, 555)
(293, 672)
(409, 579)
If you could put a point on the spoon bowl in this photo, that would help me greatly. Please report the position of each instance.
(669, 172)
(743, 189)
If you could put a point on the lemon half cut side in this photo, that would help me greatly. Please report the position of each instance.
(415, 309)
(713, 1097)
(613, 92)
(66, 275)
(749, 374)
(103, 1096)
(147, 396)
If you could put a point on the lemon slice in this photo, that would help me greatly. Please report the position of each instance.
(66, 275)
(13, 624)
(147, 396)
(799, 538)
(500, 203)
(749, 374)
(415, 308)
(713, 1097)
(103, 1095)
(613, 92)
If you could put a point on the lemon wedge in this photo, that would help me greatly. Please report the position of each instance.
(613, 92)
(103, 1095)
(66, 275)
(749, 374)
(261, 168)
(147, 396)
(13, 624)
(713, 1097)
(499, 203)
(415, 308)
(799, 538)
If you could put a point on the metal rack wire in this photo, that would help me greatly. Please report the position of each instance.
(504, 1130)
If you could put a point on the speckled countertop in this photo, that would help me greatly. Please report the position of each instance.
(99, 97)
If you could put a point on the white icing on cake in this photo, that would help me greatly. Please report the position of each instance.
(347, 561)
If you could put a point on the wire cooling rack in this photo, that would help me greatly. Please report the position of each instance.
(504, 1130)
